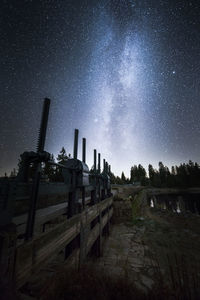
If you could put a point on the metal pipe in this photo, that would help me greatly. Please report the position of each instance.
(99, 163)
(75, 143)
(104, 165)
(84, 150)
(43, 125)
(95, 159)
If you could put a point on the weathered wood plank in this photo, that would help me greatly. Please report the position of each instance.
(43, 215)
(31, 255)
(95, 232)
(92, 237)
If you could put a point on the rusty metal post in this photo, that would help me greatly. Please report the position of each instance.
(37, 165)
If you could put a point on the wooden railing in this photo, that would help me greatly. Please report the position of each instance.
(86, 228)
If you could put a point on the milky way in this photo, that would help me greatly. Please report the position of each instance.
(126, 73)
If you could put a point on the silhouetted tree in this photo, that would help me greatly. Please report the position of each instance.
(185, 175)
(138, 173)
(123, 178)
(118, 180)
(133, 173)
(151, 174)
(13, 173)
(49, 170)
(173, 172)
(112, 178)
(61, 158)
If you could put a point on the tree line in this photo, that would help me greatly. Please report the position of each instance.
(185, 175)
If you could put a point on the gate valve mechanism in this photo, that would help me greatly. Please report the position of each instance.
(29, 157)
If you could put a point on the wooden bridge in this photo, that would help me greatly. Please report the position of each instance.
(74, 237)
(41, 221)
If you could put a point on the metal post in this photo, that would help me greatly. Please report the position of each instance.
(106, 167)
(43, 126)
(37, 165)
(106, 179)
(84, 150)
(99, 163)
(72, 203)
(84, 160)
(76, 143)
(104, 183)
(98, 180)
(95, 160)
(94, 191)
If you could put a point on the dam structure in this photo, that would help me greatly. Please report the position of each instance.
(42, 221)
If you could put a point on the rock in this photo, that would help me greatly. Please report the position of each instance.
(148, 282)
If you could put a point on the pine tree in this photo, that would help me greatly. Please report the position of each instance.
(61, 158)
(50, 170)
(151, 173)
(173, 171)
(134, 173)
(123, 178)
(13, 173)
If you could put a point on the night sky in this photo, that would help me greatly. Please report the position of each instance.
(126, 73)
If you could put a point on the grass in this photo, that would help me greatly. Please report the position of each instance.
(90, 284)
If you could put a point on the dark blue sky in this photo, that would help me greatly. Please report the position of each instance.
(126, 73)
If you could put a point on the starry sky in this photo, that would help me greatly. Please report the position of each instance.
(124, 72)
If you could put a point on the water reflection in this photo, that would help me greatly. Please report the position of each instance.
(176, 203)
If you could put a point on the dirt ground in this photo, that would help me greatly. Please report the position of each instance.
(156, 246)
